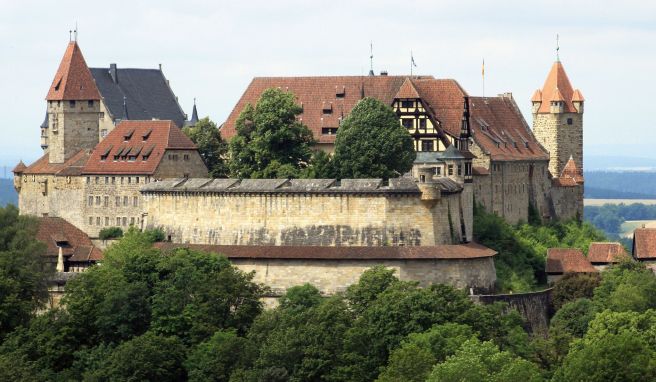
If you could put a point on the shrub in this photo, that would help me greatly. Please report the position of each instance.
(110, 233)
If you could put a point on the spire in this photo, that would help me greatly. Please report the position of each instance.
(194, 114)
(371, 58)
(125, 108)
(73, 80)
(60, 260)
(557, 88)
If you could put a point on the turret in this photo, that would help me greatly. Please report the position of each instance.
(73, 108)
(18, 175)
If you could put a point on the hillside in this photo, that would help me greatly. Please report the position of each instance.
(7, 193)
(620, 185)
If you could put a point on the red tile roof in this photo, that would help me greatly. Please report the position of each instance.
(571, 176)
(74, 242)
(478, 170)
(313, 92)
(73, 166)
(459, 251)
(577, 97)
(144, 141)
(567, 260)
(73, 80)
(500, 130)
(556, 88)
(606, 252)
(20, 167)
(644, 243)
(407, 90)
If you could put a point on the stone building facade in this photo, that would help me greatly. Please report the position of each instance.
(308, 212)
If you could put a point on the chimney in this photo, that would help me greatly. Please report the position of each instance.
(113, 73)
(60, 260)
(383, 72)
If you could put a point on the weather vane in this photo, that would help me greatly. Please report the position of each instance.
(557, 47)
(371, 58)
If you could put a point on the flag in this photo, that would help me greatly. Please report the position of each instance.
(412, 60)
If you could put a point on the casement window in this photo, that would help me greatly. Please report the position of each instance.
(408, 123)
(90, 201)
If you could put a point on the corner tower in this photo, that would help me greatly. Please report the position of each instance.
(558, 119)
(73, 108)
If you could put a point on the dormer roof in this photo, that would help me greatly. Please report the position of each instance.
(20, 167)
(407, 90)
(537, 96)
(73, 80)
(577, 97)
(557, 87)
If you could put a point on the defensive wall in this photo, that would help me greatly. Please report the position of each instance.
(307, 212)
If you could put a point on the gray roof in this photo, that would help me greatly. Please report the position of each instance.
(147, 94)
(194, 116)
(44, 124)
(205, 185)
(451, 153)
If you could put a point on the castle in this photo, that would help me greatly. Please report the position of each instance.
(114, 155)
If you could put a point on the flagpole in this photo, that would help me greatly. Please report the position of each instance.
(483, 75)
(411, 64)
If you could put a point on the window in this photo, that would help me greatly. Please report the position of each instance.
(90, 201)
(118, 201)
(136, 179)
(106, 202)
(422, 123)
(97, 220)
(186, 175)
(135, 201)
(71, 103)
(90, 220)
(129, 180)
(97, 200)
(459, 170)
(422, 178)
(103, 133)
(113, 180)
(186, 157)
(328, 130)
(407, 104)
(88, 179)
(438, 171)
(106, 221)
(426, 145)
(125, 201)
(118, 221)
(106, 180)
(90, 103)
(131, 221)
(125, 221)
(97, 179)
(450, 167)
(569, 121)
(407, 123)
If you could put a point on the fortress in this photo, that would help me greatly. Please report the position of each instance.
(108, 163)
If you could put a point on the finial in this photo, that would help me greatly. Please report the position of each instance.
(75, 32)
(70, 35)
(557, 47)
(371, 58)
(194, 101)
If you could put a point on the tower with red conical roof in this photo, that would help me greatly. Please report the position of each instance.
(73, 108)
(558, 119)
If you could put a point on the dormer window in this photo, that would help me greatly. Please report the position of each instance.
(128, 135)
(71, 104)
(340, 92)
(90, 103)
(327, 108)
(146, 135)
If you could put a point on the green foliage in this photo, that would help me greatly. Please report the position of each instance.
(617, 347)
(321, 166)
(155, 235)
(573, 318)
(270, 141)
(609, 217)
(299, 298)
(372, 283)
(149, 357)
(482, 361)
(371, 143)
(23, 272)
(414, 359)
(216, 358)
(212, 149)
(625, 287)
(110, 233)
(572, 287)
(522, 249)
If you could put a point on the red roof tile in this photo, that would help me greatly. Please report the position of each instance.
(73, 80)
(606, 252)
(500, 130)
(567, 260)
(478, 170)
(20, 167)
(73, 166)
(571, 175)
(138, 139)
(407, 90)
(557, 88)
(459, 251)
(577, 97)
(644, 243)
(537, 96)
(74, 242)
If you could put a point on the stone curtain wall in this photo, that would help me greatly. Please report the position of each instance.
(353, 219)
(63, 197)
(534, 307)
(560, 139)
(333, 276)
(181, 163)
(567, 202)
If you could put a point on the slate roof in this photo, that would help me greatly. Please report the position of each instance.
(567, 260)
(557, 87)
(73, 81)
(136, 147)
(146, 91)
(75, 244)
(606, 253)
(644, 244)
(438, 252)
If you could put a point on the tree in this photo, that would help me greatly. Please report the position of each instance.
(627, 286)
(216, 358)
(371, 143)
(572, 287)
(320, 167)
(482, 361)
(23, 272)
(149, 357)
(212, 149)
(270, 141)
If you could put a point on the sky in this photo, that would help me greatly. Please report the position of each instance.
(210, 50)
